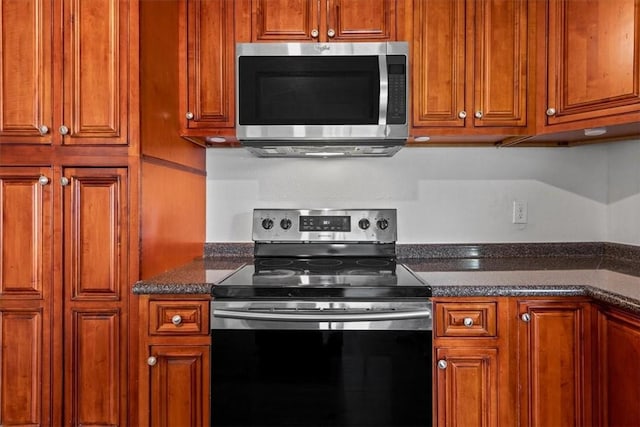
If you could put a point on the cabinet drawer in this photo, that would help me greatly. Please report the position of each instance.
(178, 317)
(466, 319)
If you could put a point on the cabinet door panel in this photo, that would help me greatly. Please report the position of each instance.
(21, 365)
(95, 376)
(25, 233)
(554, 362)
(179, 386)
(95, 249)
(96, 233)
(25, 67)
(96, 72)
(438, 63)
(500, 63)
(361, 20)
(467, 389)
(210, 64)
(593, 58)
(284, 20)
(619, 378)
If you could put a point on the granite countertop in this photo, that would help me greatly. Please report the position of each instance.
(609, 279)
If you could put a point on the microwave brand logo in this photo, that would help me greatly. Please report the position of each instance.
(322, 47)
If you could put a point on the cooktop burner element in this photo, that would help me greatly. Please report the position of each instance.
(323, 254)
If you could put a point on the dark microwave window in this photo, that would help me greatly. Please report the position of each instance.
(309, 90)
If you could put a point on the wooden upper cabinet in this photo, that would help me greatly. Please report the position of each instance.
(285, 20)
(26, 71)
(593, 62)
(323, 20)
(96, 84)
(73, 90)
(210, 78)
(470, 66)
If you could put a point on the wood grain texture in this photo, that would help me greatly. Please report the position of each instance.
(618, 373)
(593, 61)
(173, 218)
(555, 363)
(26, 71)
(96, 72)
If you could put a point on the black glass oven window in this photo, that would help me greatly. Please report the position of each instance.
(321, 378)
(307, 90)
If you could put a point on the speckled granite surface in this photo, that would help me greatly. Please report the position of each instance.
(604, 271)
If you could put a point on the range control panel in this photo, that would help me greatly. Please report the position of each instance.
(324, 225)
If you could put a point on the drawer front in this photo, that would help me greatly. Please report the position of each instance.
(472, 319)
(178, 317)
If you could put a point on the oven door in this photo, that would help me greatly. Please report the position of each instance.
(321, 364)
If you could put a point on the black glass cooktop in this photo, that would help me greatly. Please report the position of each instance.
(323, 277)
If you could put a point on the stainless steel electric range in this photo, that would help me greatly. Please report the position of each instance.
(324, 328)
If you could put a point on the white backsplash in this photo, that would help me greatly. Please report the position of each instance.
(443, 195)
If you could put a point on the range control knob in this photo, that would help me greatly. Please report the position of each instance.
(383, 224)
(364, 223)
(285, 223)
(267, 223)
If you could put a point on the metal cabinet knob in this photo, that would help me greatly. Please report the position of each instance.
(315, 33)
(462, 114)
(442, 364)
(176, 320)
(63, 130)
(468, 322)
(43, 130)
(64, 181)
(189, 115)
(43, 180)
(551, 112)
(478, 114)
(151, 361)
(526, 317)
(331, 32)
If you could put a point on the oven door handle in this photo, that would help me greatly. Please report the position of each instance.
(330, 317)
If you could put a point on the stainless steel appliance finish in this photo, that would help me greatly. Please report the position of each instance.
(322, 315)
(325, 327)
(339, 225)
(321, 117)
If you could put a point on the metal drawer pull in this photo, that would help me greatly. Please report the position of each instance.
(442, 364)
(332, 317)
(468, 322)
(151, 361)
(176, 320)
(526, 317)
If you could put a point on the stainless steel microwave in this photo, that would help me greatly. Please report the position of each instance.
(314, 99)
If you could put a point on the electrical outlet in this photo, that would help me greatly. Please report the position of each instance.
(519, 212)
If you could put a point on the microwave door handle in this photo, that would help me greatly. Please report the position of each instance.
(384, 90)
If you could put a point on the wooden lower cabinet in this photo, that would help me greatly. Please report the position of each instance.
(554, 349)
(618, 368)
(25, 296)
(473, 376)
(96, 294)
(64, 337)
(467, 384)
(175, 367)
(178, 380)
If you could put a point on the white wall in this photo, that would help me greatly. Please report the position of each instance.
(624, 193)
(443, 195)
